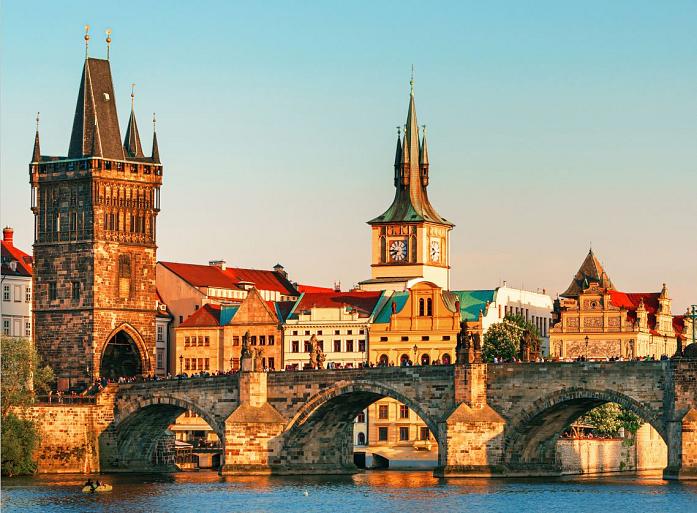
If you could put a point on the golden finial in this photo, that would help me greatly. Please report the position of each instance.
(108, 42)
(133, 94)
(411, 82)
(87, 39)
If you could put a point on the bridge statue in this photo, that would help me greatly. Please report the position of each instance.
(246, 352)
(258, 362)
(317, 356)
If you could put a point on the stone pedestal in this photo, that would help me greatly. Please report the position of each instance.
(252, 431)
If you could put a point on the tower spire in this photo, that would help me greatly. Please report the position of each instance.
(131, 142)
(155, 150)
(398, 157)
(36, 155)
(87, 40)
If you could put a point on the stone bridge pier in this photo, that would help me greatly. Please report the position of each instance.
(488, 420)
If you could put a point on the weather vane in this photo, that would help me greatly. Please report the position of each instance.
(108, 42)
(87, 39)
(37, 121)
(153, 121)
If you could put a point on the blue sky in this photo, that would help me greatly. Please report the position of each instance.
(551, 125)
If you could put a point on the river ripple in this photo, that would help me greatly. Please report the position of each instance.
(383, 491)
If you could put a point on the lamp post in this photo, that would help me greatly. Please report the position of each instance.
(693, 315)
(181, 364)
(415, 349)
(586, 355)
(665, 344)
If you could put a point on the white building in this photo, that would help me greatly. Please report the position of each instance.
(16, 288)
(339, 321)
(163, 320)
(494, 304)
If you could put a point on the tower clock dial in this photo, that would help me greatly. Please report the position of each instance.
(398, 250)
(435, 250)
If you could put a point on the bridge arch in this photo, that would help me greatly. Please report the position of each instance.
(533, 432)
(320, 434)
(142, 423)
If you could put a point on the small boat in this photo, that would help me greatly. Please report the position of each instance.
(101, 488)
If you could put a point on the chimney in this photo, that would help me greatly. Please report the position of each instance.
(220, 264)
(337, 286)
(280, 270)
(8, 236)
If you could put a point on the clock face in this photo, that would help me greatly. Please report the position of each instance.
(435, 250)
(398, 250)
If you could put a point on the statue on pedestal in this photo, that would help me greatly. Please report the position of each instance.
(317, 356)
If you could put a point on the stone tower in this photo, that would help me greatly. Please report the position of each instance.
(410, 240)
(94, 242)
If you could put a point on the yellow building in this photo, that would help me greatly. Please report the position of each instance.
(596, 321)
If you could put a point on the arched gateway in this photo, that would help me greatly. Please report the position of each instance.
(123, 355)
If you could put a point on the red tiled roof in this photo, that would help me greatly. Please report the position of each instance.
(631, 300)
(313, 288)
(211, 276)
(206, 316)
(10, 253)
(166, 314)
(364, 302)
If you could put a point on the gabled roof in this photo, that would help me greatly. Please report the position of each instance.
(591, 270)
(206, 316)
(230, 278)
(473, 301)
(11, 253)
(631, 301)
(362, 301)
(411, 203)
(96, 125)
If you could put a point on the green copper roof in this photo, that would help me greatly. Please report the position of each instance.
(473, 301)
(399, 299)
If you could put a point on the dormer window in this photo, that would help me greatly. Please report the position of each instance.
(106, 97)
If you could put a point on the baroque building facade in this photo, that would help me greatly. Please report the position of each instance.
(596, 321)
(95, 213)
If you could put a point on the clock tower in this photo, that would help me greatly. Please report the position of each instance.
(410, 240)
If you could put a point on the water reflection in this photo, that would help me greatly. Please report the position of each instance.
(385, 491)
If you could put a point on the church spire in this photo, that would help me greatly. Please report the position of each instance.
(36, 155)
(155, 150)
(411, 201)
(398, 158)
(131, 142)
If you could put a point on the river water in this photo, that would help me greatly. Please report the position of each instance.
(382, 491)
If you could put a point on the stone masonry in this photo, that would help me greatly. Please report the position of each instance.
(489, 420)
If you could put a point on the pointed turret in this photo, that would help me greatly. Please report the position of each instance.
(96, 101)
(423, 159)
(155, 149)
(591, 270)
(411, 202)
(131, 143)
(398, 159)
(36, 155)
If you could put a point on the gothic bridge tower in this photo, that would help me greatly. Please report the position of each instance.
(410, 240)
(95, 241)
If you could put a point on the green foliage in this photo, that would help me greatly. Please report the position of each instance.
(19, 440)
(608, 419)
(22, 376)
(22, 373)
(500, 341)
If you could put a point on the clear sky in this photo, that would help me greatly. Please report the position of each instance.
(551, 125)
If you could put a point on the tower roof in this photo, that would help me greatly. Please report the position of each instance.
(411, 203)
(96, 123)
(591, 270)
(131, 142)
(36, 154)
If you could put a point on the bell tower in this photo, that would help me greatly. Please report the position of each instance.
(410, 240)
(95, 216)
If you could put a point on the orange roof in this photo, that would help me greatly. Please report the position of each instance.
(362, 301)
(313, 288)
(230, 278)
(11, 253)
(206, 316)
(631, 301)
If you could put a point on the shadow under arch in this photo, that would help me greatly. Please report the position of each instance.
(135, 336)
(320, 435)
(139, 427)
(532, 434)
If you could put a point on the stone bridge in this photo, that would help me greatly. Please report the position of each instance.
(488, 420)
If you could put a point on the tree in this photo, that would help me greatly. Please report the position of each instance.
(23, 375)
(608, 419)
(501, 341)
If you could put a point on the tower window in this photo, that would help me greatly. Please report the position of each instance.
(429, 307)
(76, 291)
(124, 276)
(52, 291)
(422, 307)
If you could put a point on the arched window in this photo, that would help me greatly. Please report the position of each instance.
(425, 359)
(404, 359)
(422, 309)
(384, 360)
(429, 307)
(445, 359)
(361, 439)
